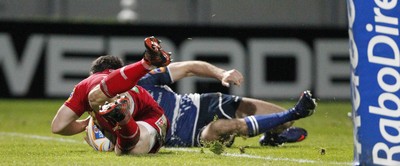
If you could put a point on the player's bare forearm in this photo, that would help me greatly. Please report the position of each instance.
(204, 69)
(195, 68)
(66, 122)
(74, 127)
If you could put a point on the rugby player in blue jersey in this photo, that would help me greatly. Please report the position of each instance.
(197, 118)
(192, 116)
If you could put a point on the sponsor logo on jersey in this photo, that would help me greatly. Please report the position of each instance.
(70, 95)
(162, 125)
(158, 70)
(135, 89)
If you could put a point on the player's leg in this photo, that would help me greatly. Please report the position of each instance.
(277, 136)
(304, 108)
(149, 141)
(153, 128)
(222, 129)
(145, 142)
(125, 78)
(116, 117)
(250, 106)
(223, 106)
(230, 106)
(256, 124)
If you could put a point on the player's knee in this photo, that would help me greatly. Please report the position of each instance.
(221, 128)
(207, 136)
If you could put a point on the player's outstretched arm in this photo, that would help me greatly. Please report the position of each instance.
(184, 69)
(66, 122)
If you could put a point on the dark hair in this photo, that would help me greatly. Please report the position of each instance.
(106, 62)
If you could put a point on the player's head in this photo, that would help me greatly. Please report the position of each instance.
(106, 62)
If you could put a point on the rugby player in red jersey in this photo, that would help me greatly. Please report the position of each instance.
(124, 111)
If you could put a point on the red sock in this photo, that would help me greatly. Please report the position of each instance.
(123, 79)
(128, 135)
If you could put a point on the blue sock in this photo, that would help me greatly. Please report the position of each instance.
(262, 123)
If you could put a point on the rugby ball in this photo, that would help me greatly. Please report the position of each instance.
(96, 139)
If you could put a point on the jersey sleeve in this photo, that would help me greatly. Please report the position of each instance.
(76, 101)
(159, 76)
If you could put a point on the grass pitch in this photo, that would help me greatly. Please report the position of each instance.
(26, 139)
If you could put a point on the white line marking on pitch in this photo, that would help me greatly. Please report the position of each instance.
(38, 137)
(266, 157)
(13, 134)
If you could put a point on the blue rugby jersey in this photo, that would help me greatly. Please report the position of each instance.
(181, 110)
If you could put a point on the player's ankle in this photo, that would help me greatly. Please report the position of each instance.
(147, 65)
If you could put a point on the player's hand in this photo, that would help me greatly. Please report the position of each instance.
(154, 54)
(232, 77)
